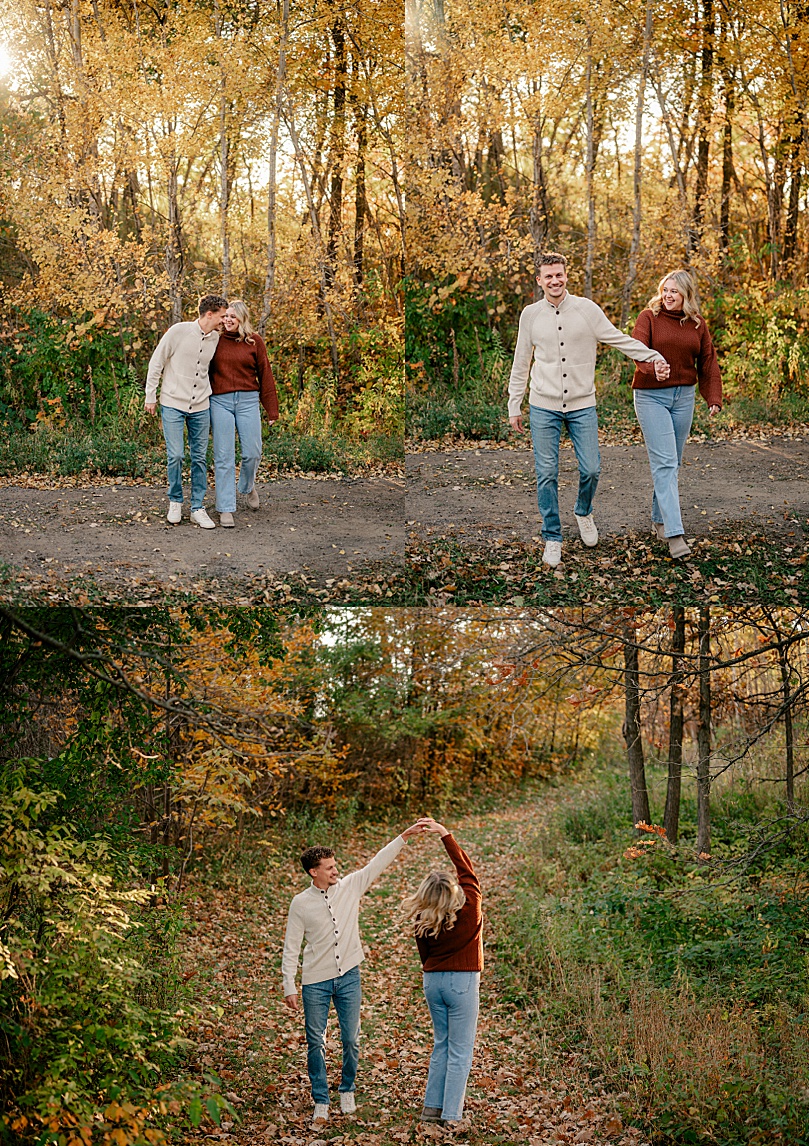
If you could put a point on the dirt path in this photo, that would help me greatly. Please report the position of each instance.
(520, 1094)
(116, 537)
(474, 495)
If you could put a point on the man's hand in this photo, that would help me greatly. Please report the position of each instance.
(151, 407)
(516, 424)
(662, 370)
(291, 1002)
(414, 830)
(428, 824)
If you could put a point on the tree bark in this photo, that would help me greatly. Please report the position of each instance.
(671, 816)
(636, 179)
(704, 734)
(272, 182)
(632, 732)
(174, 242)
(337, 148)
(360, 201)
(704, 109)
(224, 158)
(588, 173)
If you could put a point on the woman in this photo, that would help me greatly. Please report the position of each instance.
(664, 398)
(241, 377)
(446, 911)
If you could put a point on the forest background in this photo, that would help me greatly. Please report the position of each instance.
(154, 152)
(635, 137)
(655, 927)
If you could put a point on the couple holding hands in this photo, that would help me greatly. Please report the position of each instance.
(673, 354)
(215, 376)
(445, 911)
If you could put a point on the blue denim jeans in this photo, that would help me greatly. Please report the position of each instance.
(453, 998)
(665, 418)
(231, 414)
(346, 994)
(546, 429)
(198, 426)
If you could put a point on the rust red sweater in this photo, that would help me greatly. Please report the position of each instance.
(244, 366)
(688, 349)
(461, 948)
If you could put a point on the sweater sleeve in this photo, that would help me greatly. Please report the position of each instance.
(643, 333)
(157, 362)
(360, 881)
(521, 366)
(710, 380)
(633, 348)
(463, 866)
(293, 937)
(266, 381)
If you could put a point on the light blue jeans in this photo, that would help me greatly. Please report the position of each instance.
(546, 429)
(454, 999)
(665, 418)
(231, 414)
(198, 426)
(346, 994)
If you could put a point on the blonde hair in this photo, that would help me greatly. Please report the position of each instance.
(687, 288)
(246, 330)
(435, 905)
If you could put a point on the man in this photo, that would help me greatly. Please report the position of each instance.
(326, 917)
(562, 331)
(182, 357)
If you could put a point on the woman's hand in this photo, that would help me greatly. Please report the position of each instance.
(713, 410)
(662, 370)
(428, 824)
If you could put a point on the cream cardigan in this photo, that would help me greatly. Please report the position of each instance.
(182, 356)
(563, 342)
(329, 922)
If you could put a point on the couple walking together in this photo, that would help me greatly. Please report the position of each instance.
(673, 352)
(215, 372)
(446, 914)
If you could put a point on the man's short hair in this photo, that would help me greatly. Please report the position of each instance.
(312, 857)
(550, 259)
(211, 302)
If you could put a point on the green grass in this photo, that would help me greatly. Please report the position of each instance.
(683, 984)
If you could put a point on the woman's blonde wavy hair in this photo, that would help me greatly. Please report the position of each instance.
(435, 905)
(687, 288)
(246, 330)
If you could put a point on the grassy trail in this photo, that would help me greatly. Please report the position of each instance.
(521, 1091)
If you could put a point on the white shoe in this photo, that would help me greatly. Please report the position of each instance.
(320, 1113)
(348, 1104)
(200, 517)
(226, 520)
(553, 553)
(175, 513)
(587, 530)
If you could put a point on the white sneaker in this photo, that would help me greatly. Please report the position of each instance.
(175, 513)
(200, 517)
(587, 530)
(320, 1113)
(348, 1104)
(553, 553)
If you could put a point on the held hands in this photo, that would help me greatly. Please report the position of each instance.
(428, 824)
(662, 370)
(414, 830)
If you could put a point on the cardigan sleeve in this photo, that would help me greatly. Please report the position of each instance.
(268, 394)
(293, 937)
(710, 380)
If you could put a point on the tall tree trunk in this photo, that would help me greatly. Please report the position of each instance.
(174, 241)
(704, 110)
(636, 179)
(704, 734)
(224, 157)
(785, 670)
(632, 733)
(337, 149)
(360, 201)
(689, 237)
(272, 185)
(589, 171)
(539, 214)
(671, 816)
